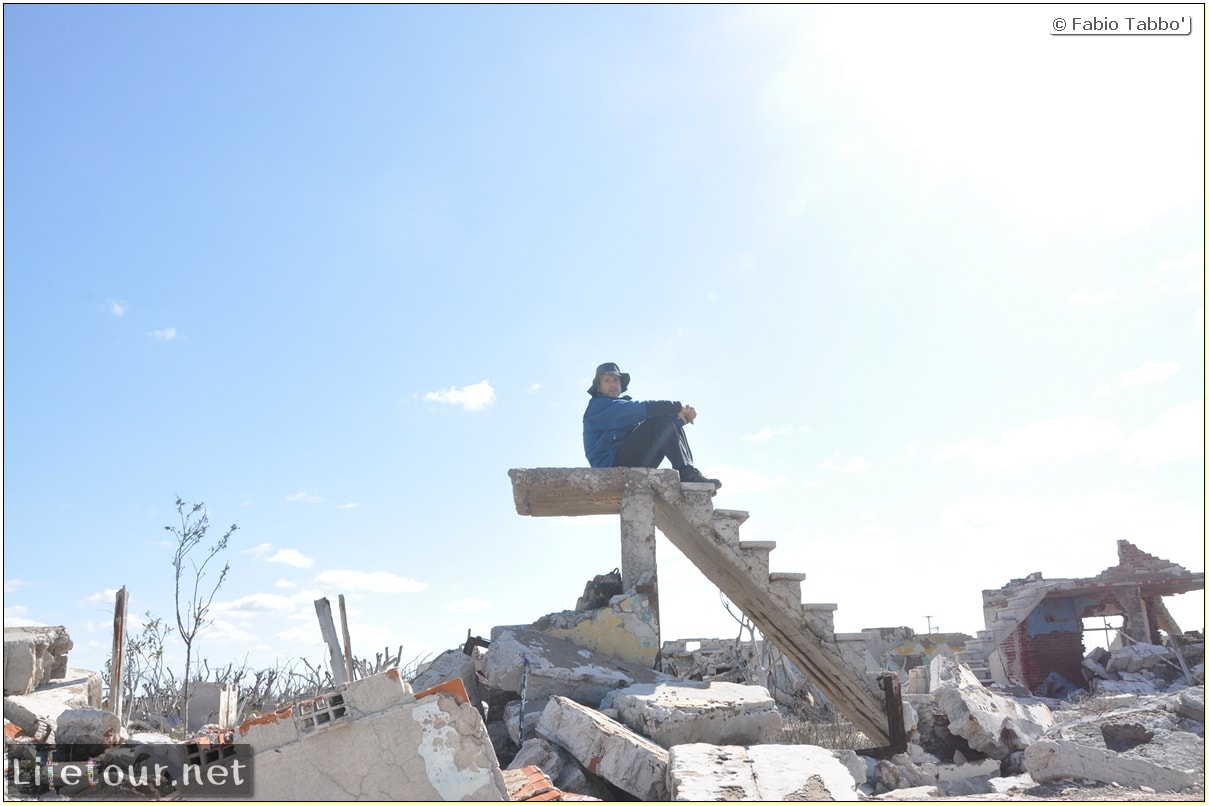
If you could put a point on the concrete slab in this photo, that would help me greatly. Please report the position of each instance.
(374, 741)
(544, 666)
(687, 712)
(627, 628)
(78, 689)
(766, 772)
(607, 748)
(33, 657)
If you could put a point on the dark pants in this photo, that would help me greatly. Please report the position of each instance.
(651, 441)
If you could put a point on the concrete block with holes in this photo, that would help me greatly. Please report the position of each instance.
(373, 740)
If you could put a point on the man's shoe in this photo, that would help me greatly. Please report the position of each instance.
(691, 475)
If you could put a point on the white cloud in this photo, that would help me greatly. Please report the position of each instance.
(349, 505)
(1037, 443)
(475, 397)
(116, 307)
(856, 464)
(284, 583)
(166, 334)
(305, 497)
(374, 581)
(107, 596)
(1085, 297)
(535, 388)
(14, 584)
(248, 606)
(1152, 372)
(1177, 433)
(256, 551)
(292, 557)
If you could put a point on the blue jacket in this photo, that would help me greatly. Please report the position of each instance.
(608, 421)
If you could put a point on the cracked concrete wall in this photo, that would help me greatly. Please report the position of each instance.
(374, 741)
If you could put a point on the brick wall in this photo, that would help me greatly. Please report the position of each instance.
(1028, 659)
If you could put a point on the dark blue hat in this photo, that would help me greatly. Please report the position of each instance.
(610, 369)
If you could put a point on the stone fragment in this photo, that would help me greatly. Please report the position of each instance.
(913, 793)
(35, 712)
(624, 628)
(373, 740)
(1050, 760)
(688, 712)
(89, 726)
(606, 748)
(544, 666)
(33, 657)
(765, 772)
(449, 665)
(979, 715)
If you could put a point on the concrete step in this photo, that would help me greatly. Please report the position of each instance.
(755, 554)
(788, 586)
(820, 618)
(727, 523)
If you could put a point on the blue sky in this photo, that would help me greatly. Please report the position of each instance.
(931, 276)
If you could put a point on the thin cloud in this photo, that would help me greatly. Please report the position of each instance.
(284, 583)
(1152, 372)
(107, 596)
(116, 307)
(14, 584)
(1042, 442)
(349, 505)
(371, 581)
(166, 334)
(304, 497)
(475, 397)
(535, 388)
(247, 606)
(292, 557)
(1177, 433)
(256, 551)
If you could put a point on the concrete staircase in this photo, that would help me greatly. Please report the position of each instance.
(710, 539)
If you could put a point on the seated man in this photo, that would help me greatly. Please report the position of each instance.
(622, 432)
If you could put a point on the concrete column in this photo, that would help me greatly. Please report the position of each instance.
(1137, 625)
(638, 569)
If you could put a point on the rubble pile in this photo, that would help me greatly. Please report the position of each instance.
(533, 715)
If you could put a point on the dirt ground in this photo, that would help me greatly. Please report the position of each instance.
(1075, 792)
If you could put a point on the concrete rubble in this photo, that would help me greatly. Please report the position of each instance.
(587, 705)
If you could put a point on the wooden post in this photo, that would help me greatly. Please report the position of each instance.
(323, 609)
(894, 712)
(119, 653)
(348, 645)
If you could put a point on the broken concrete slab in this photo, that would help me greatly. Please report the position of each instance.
(373, 740)
(540, 665)
(449, 665)
(766, 772)
(606, 748)
(522, 730)
(991, 724)
(213, 704)
(626, 628)
(688, 712)
(913, 793)
(33, 657)
(1050, 760)
(900, 772)
(35, 713)
(1145, 744)
(89, 726)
